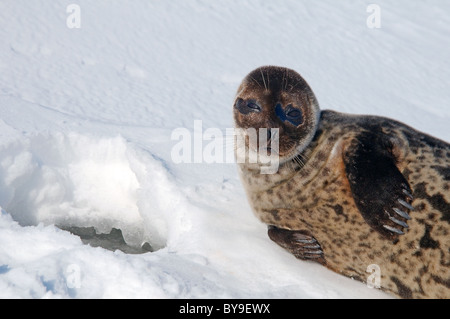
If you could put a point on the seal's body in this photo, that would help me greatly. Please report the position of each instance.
(351, 192)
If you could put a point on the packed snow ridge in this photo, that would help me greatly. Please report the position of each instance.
(74, 180)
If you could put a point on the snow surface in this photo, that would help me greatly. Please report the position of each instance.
(86, 117)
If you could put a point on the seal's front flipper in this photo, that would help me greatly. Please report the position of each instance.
(381, 192)
(298, 243)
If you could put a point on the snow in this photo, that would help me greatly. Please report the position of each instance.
(87, 115)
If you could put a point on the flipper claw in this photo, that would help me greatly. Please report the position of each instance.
(402, 213)
(394, 230)
(299, 243)
(399, 222)
(408, 194)
(406, 204)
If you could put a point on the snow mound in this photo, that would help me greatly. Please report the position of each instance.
(75, 180)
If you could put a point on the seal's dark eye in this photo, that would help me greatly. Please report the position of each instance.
(253, 106)
(248, 106)
(293, 115)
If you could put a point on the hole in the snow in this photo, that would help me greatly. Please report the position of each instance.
(112, 241)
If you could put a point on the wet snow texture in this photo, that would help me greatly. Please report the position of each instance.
(86, 117)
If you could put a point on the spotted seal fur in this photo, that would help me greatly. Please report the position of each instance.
(350, 191)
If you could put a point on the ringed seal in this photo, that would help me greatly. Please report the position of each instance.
(350, 191)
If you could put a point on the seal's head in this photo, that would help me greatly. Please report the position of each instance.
(277, 98)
